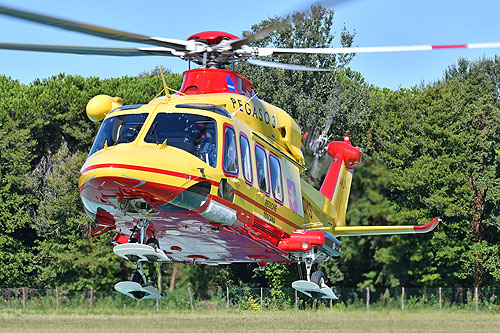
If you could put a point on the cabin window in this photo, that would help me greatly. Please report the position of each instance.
(246, 160)
(118, 129)
(277, 186)
(193, 133)
(230, 153)
(262, 174)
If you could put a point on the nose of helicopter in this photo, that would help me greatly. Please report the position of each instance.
(125, 171)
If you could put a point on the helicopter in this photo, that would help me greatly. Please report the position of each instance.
(211, 174)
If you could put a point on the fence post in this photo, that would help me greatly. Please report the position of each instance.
(191, 299)
(439, 298)
(158, 272)
(57, 299)
(331, 304)
(402, 298)
(296, 305)
(476, 298)
(367, 298)
(227, 297)
(91, 297)
(24, 298)
(261, 299)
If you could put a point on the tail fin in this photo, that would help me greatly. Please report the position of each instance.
(337, 183)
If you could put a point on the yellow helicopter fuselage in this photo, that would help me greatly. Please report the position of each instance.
(213, 173)
(142, 167)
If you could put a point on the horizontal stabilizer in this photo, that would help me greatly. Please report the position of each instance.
(386, 230)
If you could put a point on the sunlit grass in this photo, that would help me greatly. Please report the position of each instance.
(219, 320)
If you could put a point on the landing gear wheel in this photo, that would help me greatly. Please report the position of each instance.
(136, 277)
(153, 242)
(319, 278)
(138, 287)
(138, 294)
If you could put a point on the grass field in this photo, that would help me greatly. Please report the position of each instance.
(282, 321)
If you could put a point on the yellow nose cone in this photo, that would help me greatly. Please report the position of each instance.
(99, 106)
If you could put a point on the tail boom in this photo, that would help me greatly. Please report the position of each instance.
(386, 230)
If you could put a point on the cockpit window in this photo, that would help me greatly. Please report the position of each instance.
(193, 133)
(119, 129)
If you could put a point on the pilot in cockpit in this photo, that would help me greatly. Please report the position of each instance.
(204, 147)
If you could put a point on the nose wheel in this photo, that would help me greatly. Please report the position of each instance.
(153, 242)
(138, 252)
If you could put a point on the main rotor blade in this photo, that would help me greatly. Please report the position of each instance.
(286, 66)
(374, 49)
(94, 30)
(93, 50)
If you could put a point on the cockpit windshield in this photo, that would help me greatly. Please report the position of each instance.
(193, 133)
(119, 129)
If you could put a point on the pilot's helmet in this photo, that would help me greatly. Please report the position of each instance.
(196, 132)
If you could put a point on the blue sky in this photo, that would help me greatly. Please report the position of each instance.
(376, 22)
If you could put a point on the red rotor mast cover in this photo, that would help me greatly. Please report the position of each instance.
(212, 37)
(215, 80)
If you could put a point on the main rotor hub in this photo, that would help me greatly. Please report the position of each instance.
(211, 37)
(217, 53)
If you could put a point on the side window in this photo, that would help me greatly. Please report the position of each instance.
(262, 174)
(276, 183)
(230, 153)
(246, 161)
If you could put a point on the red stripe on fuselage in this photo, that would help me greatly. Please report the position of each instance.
(270, 212)
(183, 175)
(146, 169)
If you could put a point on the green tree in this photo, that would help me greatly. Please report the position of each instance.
(439, 145)
(45, 137)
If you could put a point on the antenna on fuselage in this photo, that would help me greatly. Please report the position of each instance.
(167, 93)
